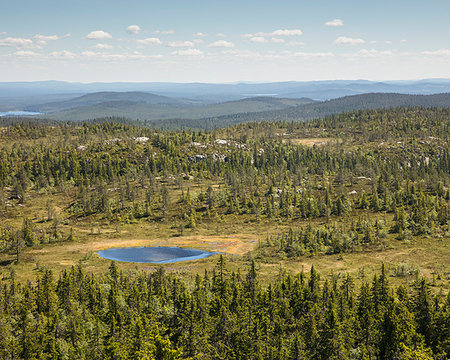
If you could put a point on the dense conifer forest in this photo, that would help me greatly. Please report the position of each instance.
(222, 315)
(361, 185)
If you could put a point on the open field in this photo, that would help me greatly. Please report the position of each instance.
(239, 240)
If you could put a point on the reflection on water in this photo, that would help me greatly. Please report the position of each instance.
(157, 255)
(19, 113)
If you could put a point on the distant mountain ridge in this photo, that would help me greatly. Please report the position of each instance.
(365, 101)
(146, 106)
(164, 112)
(213, 93)
(314, 110)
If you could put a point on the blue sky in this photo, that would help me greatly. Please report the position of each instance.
(223, 41)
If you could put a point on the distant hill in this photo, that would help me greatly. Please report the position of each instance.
(146, 106)
(176, 114)
(313, 110)
(21, 103)
(359, 102)
(107, 97)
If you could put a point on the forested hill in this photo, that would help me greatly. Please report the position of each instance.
(103, 97)
(314, 110)
(152, 107)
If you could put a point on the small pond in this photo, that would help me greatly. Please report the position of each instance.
(156, 255)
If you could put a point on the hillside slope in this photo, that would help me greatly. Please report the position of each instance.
(136, 108)
(314, 110)
(106, 97)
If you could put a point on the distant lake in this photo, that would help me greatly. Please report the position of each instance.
(156, 255)
(19, 113)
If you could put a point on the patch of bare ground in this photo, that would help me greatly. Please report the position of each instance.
(311, 141)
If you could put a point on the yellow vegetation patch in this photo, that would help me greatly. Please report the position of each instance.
(311, 141)
(237, 245)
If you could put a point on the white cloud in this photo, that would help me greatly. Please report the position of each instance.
(372, 53)
(198, 41)
(440, 52)
(117, 57)
(335, 22)
(388, 42)
(3, 33)
(164, 32)
(149, 41)
(89, 53)
(343, 40)
(275, 33)
(258, 39)
(98, 35)
(307, 55)
(44, 39)
(24, 53)
(220, 35)
(293, 32)
(16, 42)
(230, 52)
(278, 40)
(133, 29)
(103, 56)
(102, 46)
(222, 43)
(64, 54)
(188, 52)
(248, 54)
(181, 44)
(403, 41)
(242, 53)
(200, 34)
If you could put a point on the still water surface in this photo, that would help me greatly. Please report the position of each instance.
(19, 113)
(157, 255)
